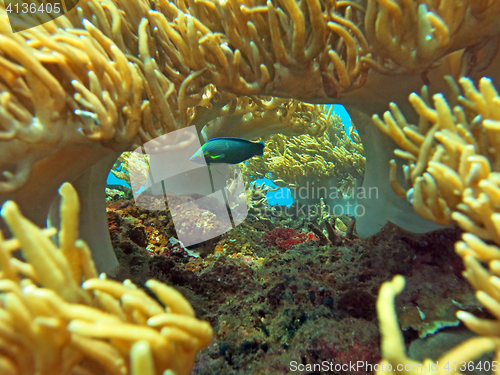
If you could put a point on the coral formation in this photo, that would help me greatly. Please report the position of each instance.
(109, 80)
(59, 317)
(256, 199)
(450, 153)
(288, 160)
(88, 85)
(258, 116)
(110, 76)
(133, 163)
(453, 170)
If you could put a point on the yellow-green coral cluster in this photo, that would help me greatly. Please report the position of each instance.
(288, 159)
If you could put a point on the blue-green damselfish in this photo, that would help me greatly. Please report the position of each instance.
(229, 150)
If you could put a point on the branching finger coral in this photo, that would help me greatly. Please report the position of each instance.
(409, 36)
(318, 50)
(75, 92)
(58, 317)
(41, 113)
(261, 48)
(449, 153)
(453, 165)
(70, 99)
(288, 159)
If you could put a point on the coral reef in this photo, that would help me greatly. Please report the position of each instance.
(288, 160)
(58, 317)
(98, 79)
(82, 88)
(310, 303)
(112, 75)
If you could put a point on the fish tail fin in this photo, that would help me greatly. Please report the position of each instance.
(261, 152)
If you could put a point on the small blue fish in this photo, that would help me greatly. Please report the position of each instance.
(229, 150)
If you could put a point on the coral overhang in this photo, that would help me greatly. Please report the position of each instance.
(112, 75)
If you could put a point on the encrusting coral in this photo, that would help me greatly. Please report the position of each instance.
(58, 317)
(283, 238)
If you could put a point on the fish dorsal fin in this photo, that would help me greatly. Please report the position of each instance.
(227, 139)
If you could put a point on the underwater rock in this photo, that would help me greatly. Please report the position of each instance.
(313, 302)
